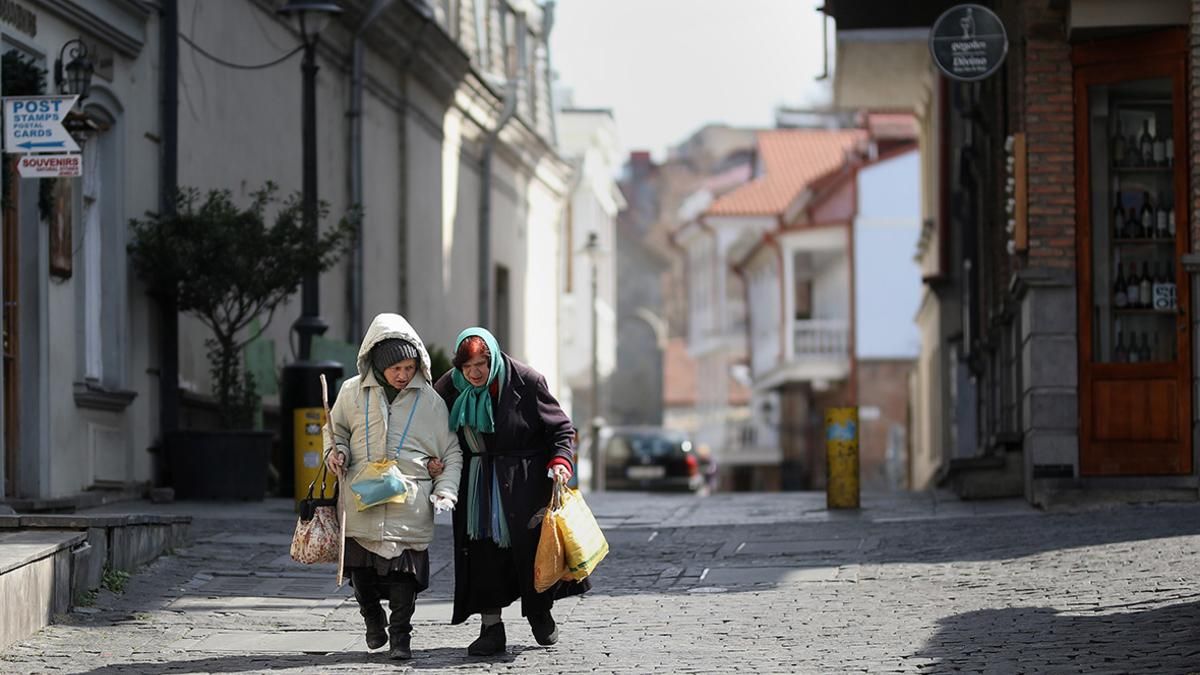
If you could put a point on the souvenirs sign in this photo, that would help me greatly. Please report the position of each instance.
(968, 42)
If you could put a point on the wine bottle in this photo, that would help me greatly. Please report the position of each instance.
(1133, 156)
(1132, 287)
(1170, 151)
(1120, 355)
(1118, 145)
(1117, 217)
(1171, 222)
(1145, 285)
(1160, 219)
(1159, 151)
(1158, 290)
(1146, 144)
(1119, 298)
(1132, 225)
(1172, 289)
(1146, 218)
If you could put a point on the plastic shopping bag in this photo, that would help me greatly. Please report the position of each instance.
(381, 482)
(550, 562)
(584, 545)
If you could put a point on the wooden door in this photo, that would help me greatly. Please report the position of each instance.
(9, 227)
(1132, 229)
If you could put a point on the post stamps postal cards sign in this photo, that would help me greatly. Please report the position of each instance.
(34, 124)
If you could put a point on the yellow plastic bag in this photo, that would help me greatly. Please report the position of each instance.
(584, 545)
(550, 562)
(381, 482)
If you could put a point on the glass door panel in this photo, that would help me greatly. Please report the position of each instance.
(1134, 224)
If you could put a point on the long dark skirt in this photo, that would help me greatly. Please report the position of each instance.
(411, 562)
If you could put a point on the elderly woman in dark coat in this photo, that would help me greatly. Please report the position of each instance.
(514, 437)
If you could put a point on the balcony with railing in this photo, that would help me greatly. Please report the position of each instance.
(820, 339)
(820, 352)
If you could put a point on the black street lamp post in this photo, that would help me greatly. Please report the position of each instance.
(300, 406)
(312, 17)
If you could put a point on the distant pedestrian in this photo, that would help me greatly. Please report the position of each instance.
(390, 409)
(515, 436)
(708, 467)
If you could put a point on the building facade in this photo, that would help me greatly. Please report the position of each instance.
(1058, 247)
(828, 297)
(434, 117)
(588, 139)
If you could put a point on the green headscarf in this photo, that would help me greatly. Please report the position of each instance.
(473, 407)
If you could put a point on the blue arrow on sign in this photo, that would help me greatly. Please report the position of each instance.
(41, 144)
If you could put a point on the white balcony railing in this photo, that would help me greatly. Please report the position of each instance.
(821, 339)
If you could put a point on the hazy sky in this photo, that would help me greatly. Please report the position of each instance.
(668, 67)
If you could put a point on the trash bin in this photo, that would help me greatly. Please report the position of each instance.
(302, 415)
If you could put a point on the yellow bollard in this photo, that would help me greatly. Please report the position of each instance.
(307, 440)
(841, 458)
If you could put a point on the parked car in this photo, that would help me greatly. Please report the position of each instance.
(649, 458)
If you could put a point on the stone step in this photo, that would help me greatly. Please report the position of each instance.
(35, 579)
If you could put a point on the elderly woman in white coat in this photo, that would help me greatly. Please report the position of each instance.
(391, 410)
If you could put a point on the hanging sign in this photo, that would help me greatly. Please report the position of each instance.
(50, 166)
(35, 124)
(968, 42)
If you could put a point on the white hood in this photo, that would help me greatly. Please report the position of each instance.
(383, 327)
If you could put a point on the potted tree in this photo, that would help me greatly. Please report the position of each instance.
(229, 266)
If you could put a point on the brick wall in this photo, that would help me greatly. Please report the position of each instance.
(882, 384)
(1048, 122)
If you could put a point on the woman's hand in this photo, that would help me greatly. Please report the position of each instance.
(560, 472)
(435, 467)
(335, 461)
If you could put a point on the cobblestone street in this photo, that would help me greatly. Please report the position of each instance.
(754, 583)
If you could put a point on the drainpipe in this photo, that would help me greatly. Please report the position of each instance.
(355, 114)
(511, 91)
(168, 311)
(547, 26)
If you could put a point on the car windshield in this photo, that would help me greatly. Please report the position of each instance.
(651, 445)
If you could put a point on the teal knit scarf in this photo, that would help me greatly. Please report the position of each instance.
(473, 410)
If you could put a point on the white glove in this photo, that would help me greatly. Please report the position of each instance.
(442, 503)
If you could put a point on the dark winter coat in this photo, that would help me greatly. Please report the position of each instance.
(531, 430)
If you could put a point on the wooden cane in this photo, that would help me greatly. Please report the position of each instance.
(341, 508)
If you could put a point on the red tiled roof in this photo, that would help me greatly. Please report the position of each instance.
(791, 159)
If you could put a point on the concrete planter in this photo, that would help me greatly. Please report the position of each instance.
(219, 464)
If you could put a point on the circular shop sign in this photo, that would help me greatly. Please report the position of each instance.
(968, 42)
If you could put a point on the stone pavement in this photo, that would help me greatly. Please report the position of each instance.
(728, 583)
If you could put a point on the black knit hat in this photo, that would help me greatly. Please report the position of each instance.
(389, 352)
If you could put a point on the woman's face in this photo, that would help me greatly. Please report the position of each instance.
(476, 370)
(400, 374)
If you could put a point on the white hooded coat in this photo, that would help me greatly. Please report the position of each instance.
(363, 425)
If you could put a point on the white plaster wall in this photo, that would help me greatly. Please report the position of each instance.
(132, 95)
(238, 129)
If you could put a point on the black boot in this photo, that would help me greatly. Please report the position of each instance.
(491, 641)
(402, 601)
(544, 629)
(401, 647)
(376, 622)
(366, 592)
